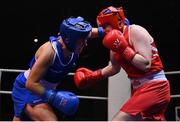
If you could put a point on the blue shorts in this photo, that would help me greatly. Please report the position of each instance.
(21, 96)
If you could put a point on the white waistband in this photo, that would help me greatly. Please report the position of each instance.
(26, 73)
(155, 77)
(44, 83)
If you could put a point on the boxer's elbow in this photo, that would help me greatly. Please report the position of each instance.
(30, 85)
(116, 70)
(141, 63)
(147, 66)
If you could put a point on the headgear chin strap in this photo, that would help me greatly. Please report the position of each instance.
(72, 29)
(113, 16)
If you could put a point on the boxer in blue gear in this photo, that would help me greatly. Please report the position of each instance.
(34, 91)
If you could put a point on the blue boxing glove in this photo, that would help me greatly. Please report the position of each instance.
(66, 102)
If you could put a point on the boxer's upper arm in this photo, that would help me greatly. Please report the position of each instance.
(141, 41)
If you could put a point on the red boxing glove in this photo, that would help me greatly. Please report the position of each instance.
(115, 41)
(85, 78)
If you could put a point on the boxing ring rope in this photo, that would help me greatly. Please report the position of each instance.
(83, 97)
(177, 108)
(19, 70)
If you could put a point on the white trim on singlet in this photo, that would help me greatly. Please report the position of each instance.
(55, 48)
(54, 54)
(129, 37)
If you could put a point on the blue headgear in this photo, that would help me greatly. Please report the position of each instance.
(73, 29)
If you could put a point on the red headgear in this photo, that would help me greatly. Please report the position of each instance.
(112, 16)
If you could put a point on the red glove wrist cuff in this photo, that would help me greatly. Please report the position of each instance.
(129, 54)
(95, 76)
(98, 74)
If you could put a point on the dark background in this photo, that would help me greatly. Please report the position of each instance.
(23, 21)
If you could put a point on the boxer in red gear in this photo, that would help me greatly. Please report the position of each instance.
(133, 49)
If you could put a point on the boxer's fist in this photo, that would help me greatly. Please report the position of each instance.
(115, 41)
(64, 101)
(85, 78)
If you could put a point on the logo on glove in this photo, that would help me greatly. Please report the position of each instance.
(116, 43)
(63, 102)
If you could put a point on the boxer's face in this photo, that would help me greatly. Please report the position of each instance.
(80, 44)
(107, 28)
(121, 25)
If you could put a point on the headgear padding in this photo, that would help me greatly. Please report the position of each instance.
(73, 29)
(112, 16)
